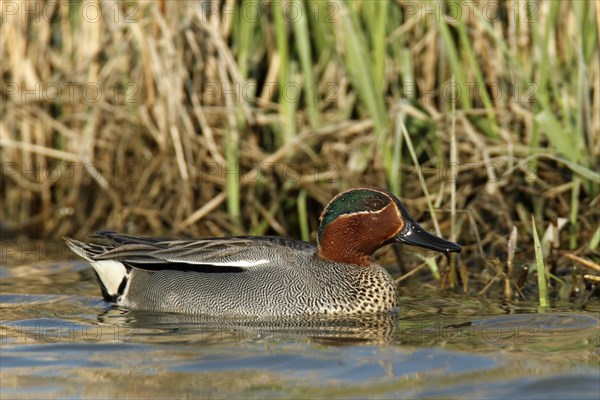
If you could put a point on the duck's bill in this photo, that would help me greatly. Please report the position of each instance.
(413, 234)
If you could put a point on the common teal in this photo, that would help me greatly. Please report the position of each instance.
(263, 275)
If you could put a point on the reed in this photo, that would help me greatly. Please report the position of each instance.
(540, 267)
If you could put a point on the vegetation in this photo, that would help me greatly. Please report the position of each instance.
(194, 118)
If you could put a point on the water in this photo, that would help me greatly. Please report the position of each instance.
(59, 340)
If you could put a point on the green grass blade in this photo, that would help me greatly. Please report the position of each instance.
(232, 181)
(580, 170)
(432, 264)
(456, 65)
(413, 155)
(359, 68)
(541, 269)
(378, 35)
(482, 86)
(595, 240)
(395, 176)
(287, 99)
(562, 140)
(303, 216)
(454, 176)
(245, 34)
(302, 37)
(574, 212)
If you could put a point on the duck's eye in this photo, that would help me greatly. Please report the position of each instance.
(374, 204)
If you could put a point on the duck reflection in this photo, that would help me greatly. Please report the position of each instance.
(160, 327)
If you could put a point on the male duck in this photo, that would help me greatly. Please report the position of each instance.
(265, 276)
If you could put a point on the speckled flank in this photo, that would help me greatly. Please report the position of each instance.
(304, 288)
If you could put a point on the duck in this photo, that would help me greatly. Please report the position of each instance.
(265, 276)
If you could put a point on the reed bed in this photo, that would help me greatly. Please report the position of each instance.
(197, 118)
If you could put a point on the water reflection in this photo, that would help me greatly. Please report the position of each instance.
(366, 329)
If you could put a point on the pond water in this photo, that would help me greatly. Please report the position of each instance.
(60, 340)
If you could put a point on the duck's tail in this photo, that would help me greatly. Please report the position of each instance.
(112, 275)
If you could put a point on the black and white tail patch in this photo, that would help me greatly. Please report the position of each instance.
(113, 277)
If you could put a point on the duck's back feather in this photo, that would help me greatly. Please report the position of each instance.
(233, 254)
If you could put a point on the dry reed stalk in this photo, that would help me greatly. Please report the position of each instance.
(512, 247)
(583, 262)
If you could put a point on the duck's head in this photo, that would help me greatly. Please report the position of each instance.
(359, 221)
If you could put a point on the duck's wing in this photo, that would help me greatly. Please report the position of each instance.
(234, 254)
